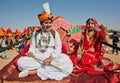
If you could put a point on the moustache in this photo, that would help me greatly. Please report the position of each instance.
(48, 26)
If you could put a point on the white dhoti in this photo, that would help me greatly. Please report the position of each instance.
(47, 72)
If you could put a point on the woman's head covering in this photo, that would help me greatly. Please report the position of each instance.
(97, 28)
(99, 33)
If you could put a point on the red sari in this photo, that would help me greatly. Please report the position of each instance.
(93, 50)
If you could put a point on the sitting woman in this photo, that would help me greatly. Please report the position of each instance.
(71, 49)
(91, 46)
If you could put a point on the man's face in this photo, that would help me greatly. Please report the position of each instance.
(90, 25)
(46, 25)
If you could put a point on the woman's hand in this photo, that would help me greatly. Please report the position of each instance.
(48, 60)
(105, 31)
(30, 54)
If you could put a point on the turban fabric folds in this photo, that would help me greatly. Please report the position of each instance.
(9, 32)
(1, 32)
(43, 16)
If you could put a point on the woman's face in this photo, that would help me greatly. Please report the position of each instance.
(47, 25)
(90, 25)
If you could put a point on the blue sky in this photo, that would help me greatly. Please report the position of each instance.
(23, 13)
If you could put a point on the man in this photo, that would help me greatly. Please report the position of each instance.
(115, 42)
(48, 48)
(3, 54)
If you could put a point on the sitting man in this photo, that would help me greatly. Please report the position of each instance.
(46, 46)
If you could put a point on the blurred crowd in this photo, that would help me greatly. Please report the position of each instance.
(8, 37)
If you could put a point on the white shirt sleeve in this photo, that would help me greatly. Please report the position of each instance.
(58, 45)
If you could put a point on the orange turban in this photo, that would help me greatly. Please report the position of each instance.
(25, 31)
(1, 32)
(9, 32)
(18, 33)
(44, 16)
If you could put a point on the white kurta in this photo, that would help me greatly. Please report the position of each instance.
(47, 72)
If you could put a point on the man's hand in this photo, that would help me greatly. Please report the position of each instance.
(48, 60)
(30, 54)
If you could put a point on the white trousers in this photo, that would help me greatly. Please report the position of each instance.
(47, 72)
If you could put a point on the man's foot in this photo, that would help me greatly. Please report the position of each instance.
(43, 78)
(24, 73)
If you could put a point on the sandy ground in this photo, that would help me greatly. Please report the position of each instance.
(115, 58)
(12, 53)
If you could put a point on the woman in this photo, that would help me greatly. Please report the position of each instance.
(91, 45)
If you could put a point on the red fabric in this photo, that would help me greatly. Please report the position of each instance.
(118, 67)
(25, 32)
(64, 48)
(76, 36)
(23, 51)
(63, 34)
(89, 59)
(73, 54)
(109, 77)
(74, 59)
(96, 43)
(61, 23)
(108, 66)
(9, 30)
(85, 75)
(18, 33)
(72, 51)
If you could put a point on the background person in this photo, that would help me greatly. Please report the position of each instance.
(115, 40)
